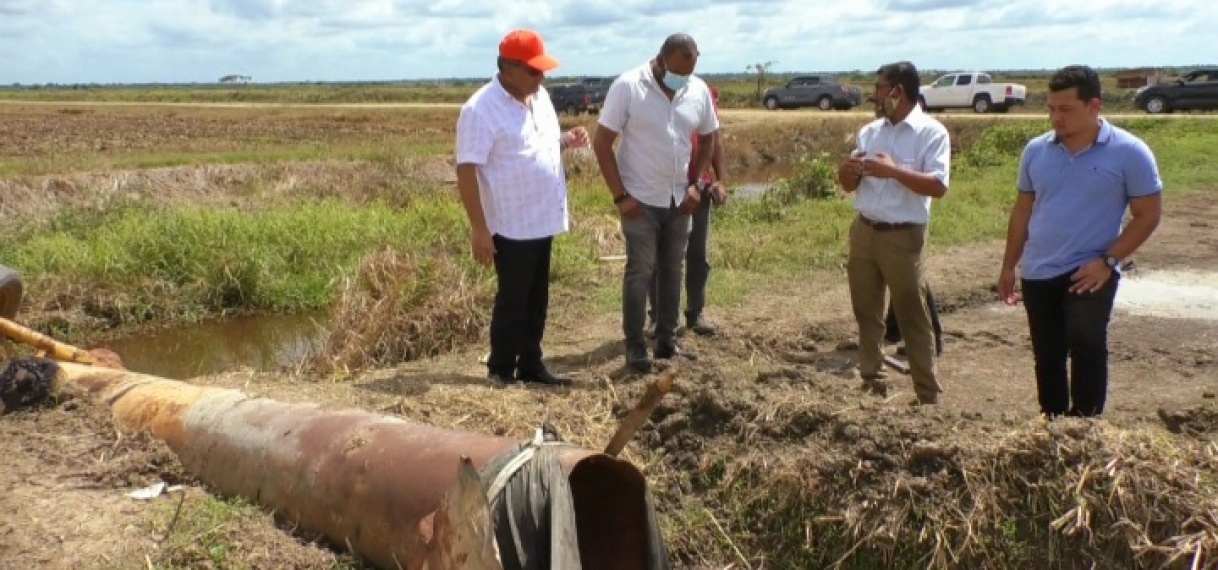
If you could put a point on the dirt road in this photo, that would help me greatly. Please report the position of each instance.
(739, 114)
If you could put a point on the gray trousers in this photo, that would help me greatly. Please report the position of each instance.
(655, 256)
(697, 264)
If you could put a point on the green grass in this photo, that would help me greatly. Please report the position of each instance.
(194, 261)
(213, 532)
(134, 263)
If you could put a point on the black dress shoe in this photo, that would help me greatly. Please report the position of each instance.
(669, 350)
(637, 360)
(544, 376)
(501, 379)
(701, 326)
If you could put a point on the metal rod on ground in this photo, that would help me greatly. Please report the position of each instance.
(895, 364)
(55, 349)
(638, 416)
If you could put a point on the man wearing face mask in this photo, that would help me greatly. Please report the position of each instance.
(512, 184)
(653, 109)
(903, 160)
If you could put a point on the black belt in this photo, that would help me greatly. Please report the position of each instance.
(886, 226)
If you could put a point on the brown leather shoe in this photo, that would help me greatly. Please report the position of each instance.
(875, 386)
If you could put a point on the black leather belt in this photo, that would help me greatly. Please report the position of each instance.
(886, 226)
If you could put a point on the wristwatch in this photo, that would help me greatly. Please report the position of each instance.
(1111, 261)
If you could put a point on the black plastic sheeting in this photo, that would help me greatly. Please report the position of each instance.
(26, 382)
(534, 513)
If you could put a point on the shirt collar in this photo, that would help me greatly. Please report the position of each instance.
(649, 78)
(499, 87)
(1103, 137)
(915, 119)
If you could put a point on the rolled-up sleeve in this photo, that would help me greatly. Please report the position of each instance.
(938, 161)
(709, 122)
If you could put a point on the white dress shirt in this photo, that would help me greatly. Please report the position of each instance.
(654, 151)
(919, 143)
(517, 152)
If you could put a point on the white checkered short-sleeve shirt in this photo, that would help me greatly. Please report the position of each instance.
(518, 157)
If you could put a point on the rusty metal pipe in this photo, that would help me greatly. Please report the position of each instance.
(366, 481)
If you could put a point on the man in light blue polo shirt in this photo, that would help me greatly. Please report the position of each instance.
(1065, 232)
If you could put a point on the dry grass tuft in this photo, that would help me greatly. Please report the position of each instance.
(399, 308)
(1069, 494)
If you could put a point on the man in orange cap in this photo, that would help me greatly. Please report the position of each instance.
(511, 179)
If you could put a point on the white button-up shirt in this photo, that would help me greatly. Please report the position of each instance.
(654, 152)
(518, 155)
(919, 143)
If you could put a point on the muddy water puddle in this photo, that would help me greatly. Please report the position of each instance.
(271, 342)
(263, 343)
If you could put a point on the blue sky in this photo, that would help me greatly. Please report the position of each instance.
(126, 41)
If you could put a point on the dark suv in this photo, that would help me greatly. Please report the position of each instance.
(812, 91)
(1194, 90)
(586, 96)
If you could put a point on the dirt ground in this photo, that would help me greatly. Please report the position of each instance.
(65, 471)
(772, 382)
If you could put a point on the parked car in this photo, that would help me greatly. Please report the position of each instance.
(575, 98)
(972, 89)
(821, 91)
(597, 83)
(1194, 90)
(586, 96)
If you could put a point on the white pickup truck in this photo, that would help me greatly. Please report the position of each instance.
(974, 89)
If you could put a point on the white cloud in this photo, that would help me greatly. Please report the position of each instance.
(343, 40)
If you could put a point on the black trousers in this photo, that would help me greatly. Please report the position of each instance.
(518, 320)
(892, 331)
(1071, 326)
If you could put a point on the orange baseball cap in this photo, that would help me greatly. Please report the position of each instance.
(526, 46)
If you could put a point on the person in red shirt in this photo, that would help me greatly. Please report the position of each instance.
(697, 265)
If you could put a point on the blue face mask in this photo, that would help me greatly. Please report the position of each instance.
(674, 81)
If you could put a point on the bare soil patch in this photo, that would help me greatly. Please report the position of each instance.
(770, 396)
(771, 389)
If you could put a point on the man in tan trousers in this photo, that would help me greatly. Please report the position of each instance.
(903, 160)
